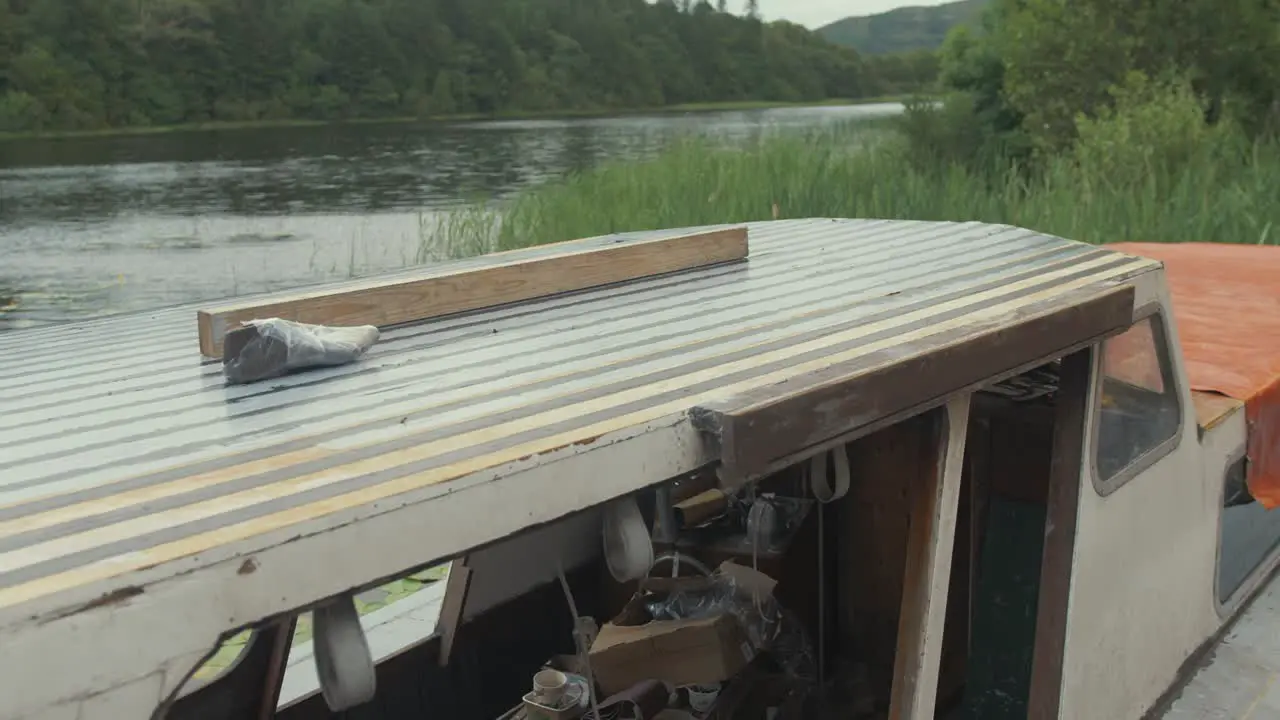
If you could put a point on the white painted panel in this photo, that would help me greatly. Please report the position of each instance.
(68, 711)
(1142, 583)
(123, 703)
(513, 567)
(226, 596)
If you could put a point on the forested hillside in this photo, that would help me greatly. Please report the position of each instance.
(904, 29)
(84, 64)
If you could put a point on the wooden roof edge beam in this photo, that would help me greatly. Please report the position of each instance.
(760, 431)
(573, 266)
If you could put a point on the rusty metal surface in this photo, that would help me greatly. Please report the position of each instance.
(1226, 302)
(118, 442)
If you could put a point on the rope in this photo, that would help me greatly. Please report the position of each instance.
(579, 642)
(825, 493)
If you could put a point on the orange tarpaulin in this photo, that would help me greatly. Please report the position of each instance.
(1226, 303)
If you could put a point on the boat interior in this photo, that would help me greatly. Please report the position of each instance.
(841, 570)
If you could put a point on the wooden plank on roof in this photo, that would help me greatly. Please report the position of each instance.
(574, 265)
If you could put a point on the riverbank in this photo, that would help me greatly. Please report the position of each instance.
(454, 118)
(1221, 192)
(101, 225)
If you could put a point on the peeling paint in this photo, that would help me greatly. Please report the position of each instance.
(115, 597)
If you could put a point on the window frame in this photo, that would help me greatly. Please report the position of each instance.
(1156, 315)
(1258, 576)
(1224, 603)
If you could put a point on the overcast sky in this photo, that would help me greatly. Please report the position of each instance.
(816, 13)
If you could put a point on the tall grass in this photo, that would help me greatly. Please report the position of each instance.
(1222, 188)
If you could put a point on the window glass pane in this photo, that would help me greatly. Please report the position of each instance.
(1249, 533)
(1134, 358)
(1140, 408)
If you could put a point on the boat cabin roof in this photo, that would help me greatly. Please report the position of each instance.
(141, 494)
(1226, 304)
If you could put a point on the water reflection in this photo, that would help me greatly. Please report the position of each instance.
(90, 226)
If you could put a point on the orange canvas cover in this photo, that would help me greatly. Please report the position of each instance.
(1226, 303)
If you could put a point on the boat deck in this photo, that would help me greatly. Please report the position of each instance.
(141, 494)
(1239, 679)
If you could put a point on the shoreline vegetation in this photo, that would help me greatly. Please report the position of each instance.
(1224, 191)
(1171, 133)
(219, 126)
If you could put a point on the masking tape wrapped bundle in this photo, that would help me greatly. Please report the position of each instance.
(264, 349)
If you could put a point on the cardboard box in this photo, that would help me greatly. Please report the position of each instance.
(634, 647)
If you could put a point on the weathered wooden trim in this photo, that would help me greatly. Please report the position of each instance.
(456, 589)
(759, 430)
(281, 642)
(1070, 427)
(935, 500)
(581, 265)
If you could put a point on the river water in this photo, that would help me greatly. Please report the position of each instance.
(95, 226)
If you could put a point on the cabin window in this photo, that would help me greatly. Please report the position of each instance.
(1139, 412)
(1249, 533)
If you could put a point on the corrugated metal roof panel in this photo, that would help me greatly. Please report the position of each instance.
(116, 438)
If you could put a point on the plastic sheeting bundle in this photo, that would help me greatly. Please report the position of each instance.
(264, 349)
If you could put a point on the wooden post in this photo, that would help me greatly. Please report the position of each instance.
(1071, 421)
(934, 502)
(456, 588)
(281, 639)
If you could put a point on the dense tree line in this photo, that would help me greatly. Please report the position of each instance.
(80, 64)
(1033, 73)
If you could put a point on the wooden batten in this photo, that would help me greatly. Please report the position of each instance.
(760, 430)
(935, 498)
(511, 277)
